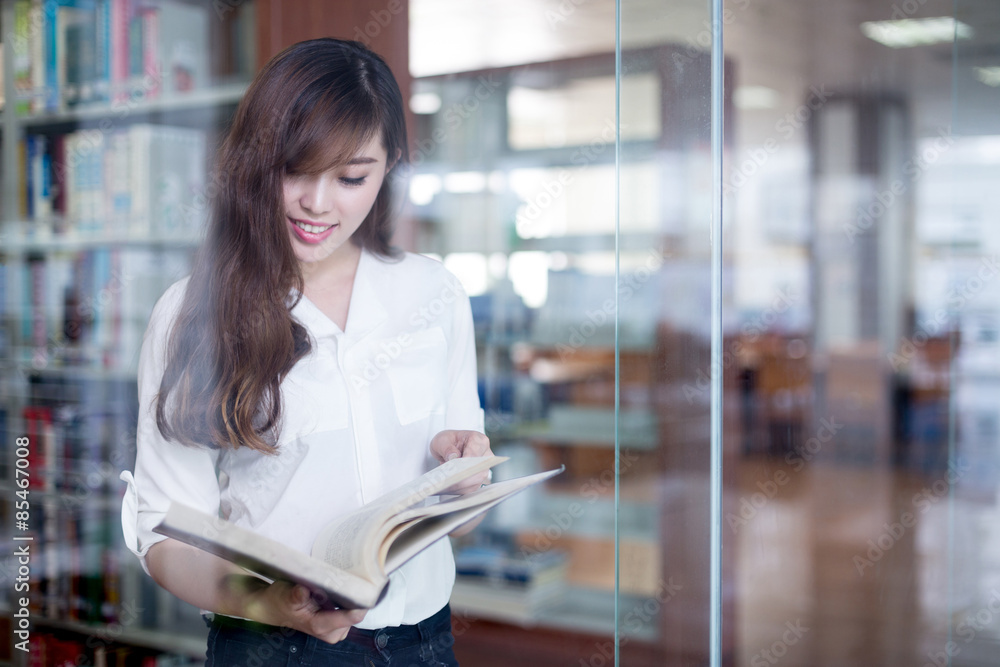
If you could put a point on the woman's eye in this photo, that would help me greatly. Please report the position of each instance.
(352, 181)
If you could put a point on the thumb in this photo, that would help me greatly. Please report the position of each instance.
(300, 596)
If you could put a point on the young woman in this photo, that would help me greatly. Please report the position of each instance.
(303, 369)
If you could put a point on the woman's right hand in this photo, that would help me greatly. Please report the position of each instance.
(290, 605)
(215, 584)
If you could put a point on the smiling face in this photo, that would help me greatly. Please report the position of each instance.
(322, 211)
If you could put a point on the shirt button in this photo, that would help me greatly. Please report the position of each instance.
(294, 649)
(381, 640)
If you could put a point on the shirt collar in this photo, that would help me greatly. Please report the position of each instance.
(366, 310)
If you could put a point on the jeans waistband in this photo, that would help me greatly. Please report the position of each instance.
(397, 635)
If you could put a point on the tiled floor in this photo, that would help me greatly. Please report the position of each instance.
(860, 566)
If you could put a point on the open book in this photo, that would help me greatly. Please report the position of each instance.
(353, 555)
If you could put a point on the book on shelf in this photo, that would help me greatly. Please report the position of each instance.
(58, 648)
(353, 556)
(87, 308)
(139, 181)
(72, 52)
(503, 568)
(504, 603)
(497, 583)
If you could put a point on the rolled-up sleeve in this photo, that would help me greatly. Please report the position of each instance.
(165, 471)
(464, 411)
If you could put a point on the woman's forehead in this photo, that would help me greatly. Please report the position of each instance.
(346, 151)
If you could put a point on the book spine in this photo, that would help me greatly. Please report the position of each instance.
(44, 210)
(139, 147)
(22, 56)
(135, 49)
(153, 76)
(102, 271)
(71, 179)
(102, 50)
(39, 331)
(98, 210)
(59, 276)
(59, 178)
(23, 196)
(32, 431)
(37, 50)
(88, 54)
(38, 179)
(119, 50)
(24, 294)
(50, 14)
(112, 357)
(29, 173)
(65, 57)
(119, 194)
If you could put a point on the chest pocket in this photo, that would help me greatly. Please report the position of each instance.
(315, 397)
(419, 376)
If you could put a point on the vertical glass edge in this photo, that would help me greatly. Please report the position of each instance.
(715, 584)
(617, 454)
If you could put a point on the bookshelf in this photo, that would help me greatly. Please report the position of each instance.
(88, 361)
(113, 109)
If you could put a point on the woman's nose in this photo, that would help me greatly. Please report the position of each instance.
(317, 194)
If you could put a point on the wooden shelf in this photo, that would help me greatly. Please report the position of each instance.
(158, 640)
(21, 245)
(207, 98)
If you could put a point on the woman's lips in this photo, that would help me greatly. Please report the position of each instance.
(311, 232)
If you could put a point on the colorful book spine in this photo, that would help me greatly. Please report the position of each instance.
(37, 50)
(119, 24)
(151, 65)
(39, 334)
(102, 50)
(22, 56)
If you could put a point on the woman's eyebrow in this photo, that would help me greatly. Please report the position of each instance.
(362, 160)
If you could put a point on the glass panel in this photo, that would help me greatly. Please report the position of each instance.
(861, 333)
(664, 317)
(962, 600)
(514, 188)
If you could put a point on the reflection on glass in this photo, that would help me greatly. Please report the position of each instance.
(514, 187)
(860, 247)
(861, 343)
(860, 317)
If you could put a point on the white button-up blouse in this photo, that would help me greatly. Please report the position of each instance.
(359, 412)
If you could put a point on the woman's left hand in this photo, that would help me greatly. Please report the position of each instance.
(448, 445)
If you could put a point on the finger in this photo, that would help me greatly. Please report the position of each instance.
(469, 485)
(337, 635)
(299, 598)
(445, 446)
(326, 624)
(475, 444)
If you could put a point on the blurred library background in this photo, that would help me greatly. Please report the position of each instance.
(570, 186)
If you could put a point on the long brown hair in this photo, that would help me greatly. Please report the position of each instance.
(311, 108)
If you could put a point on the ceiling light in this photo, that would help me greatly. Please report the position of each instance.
(989, 75)
(425, 103)
(916, 32)
(465, 182)
(755, 97)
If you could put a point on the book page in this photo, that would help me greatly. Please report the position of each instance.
(420, 527)
(352, 541)
(331, 587)
(437, 480)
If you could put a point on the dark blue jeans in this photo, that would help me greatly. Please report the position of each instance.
(236, 643)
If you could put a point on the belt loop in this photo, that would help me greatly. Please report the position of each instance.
(428, 627)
